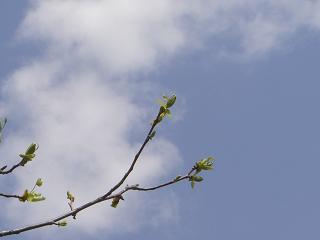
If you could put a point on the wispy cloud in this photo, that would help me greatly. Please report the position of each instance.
(250, 29)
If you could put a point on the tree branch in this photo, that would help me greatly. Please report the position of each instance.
(55, 221)
(26, 157)
(10, 196)
(147, 139)
(105, 197)
(2, 172)
(162, 185)
(205, 164)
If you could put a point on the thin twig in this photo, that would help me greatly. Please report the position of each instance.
(160, 186)
(10, 196)
(147, 139)
(2, 172)
(87, 205)
(105, 197)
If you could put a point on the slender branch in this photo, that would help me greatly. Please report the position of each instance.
(160, 186)
(10, 196)
(105, 197)
(147, 139)
(2, 172)
(55, 221)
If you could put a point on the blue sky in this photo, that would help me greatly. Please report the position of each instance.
(247, 86)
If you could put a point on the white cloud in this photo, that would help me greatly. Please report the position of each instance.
(83, 127)
(128, 35)
(77, 102)
(250, 28)
(120, 35)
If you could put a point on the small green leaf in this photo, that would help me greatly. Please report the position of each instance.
(62, 223)
(177, 178)
(192, 184)
(194, 178)
(39, 182)
(171, 101)
(31, 197)
(70, 196)
(197, 178)
(29, 154)
(32, 149)
(161, 103)
(28, 157)
(24, 196)
(166, 98)
(115, 202)
(37, 199)
(168, 113)
(204, 164)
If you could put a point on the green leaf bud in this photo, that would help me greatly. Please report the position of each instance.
(171, 101)
(115, 202)
(62, 223)
(39, 182)
(32, 149)
(70, 196)
(177, 178)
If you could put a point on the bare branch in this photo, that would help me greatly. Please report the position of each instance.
(2, 172)
(162, 185)
(105, 197)
(147, 139)
(110, 194)
(87, 205)
(10, 196)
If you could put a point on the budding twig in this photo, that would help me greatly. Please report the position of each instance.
(110, 195)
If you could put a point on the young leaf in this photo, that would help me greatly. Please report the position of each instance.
(70, 196)
(31, 196)
(197, 178)
(62, 223)
(177, 178)
(115, 202)
(24, 196)
(32, 149)
(28, 157)
(39, 182)
(168, 113)
(165, 97)
(29, 154)
(192, 184)
(171, 101)
(161, 103)
(37, 198)
(204, 164)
